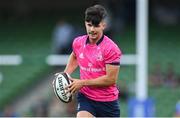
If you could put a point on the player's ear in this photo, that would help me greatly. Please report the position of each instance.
(104, 24)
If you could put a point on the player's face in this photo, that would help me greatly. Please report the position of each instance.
(95, 32)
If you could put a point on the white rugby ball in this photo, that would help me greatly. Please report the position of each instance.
(60, 82)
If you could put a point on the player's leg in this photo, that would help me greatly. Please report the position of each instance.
(84, 114)
(84, 108)
(108, 109)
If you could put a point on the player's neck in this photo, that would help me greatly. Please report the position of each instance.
(94, 41)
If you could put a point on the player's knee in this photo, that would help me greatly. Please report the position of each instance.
(84, 114)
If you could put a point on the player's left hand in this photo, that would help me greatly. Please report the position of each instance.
(75, 85)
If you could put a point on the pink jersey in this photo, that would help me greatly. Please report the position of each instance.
(92, 60)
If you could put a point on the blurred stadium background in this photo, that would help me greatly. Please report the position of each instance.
(27, 29)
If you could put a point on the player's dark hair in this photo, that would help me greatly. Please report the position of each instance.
(95, 14)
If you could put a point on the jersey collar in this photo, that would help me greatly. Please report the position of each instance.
(101, 39)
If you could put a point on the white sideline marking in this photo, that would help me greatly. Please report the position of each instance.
(10, 60)
(53, 60)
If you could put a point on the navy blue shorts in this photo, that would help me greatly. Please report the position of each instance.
(98, 109)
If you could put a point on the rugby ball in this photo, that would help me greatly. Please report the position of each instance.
(61, 80)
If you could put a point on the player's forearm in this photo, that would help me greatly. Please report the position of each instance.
(109, 79)
(102, 81)
(71, 65)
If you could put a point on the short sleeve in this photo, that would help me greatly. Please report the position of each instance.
(77, 44)
(74, 46)
(112, 55)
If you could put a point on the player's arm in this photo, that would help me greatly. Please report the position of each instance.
(112, 72)
(109, 79)
(72, 64)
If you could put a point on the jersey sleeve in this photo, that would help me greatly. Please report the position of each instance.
(74, 46)
(112, 55)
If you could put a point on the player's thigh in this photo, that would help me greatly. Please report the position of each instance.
(84, 114)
